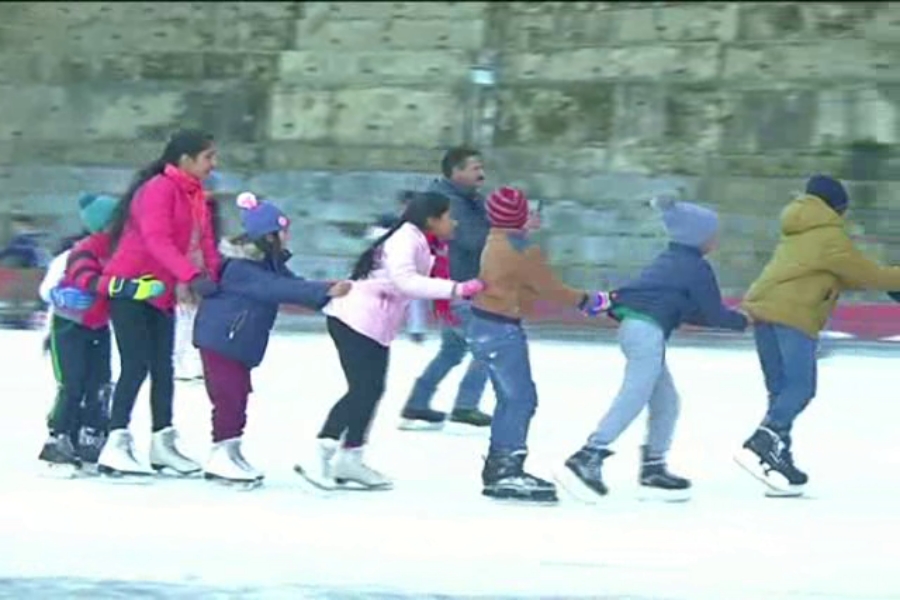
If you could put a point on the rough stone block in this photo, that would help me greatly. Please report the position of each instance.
(273, 11)
(395, 116)
(580, 160)
(233, 111)
(286, 155)
(300, 114)
(697, 22)
(412, 159)
(390, 34)
(772, 120)
(690, 62)
(886, 27)
(640, 113)
(247, 66)
(314, 68)
(876, 116)
(452, 11)
(770, 21)
(171, 65)
(50, 13)
(850, 59)
(635, 25)
(566, 116)
(255, 35)
(626, 192)
(694, 117)
(656, 160)
(833, 20)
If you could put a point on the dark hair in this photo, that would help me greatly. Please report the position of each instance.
(406, 196)
(421, 207)
(215, 215)
(269, 244)
(455, 158)
(190, 142)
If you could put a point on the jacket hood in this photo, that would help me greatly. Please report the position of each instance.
(807, 213)
(248, 250)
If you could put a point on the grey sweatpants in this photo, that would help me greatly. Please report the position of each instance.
(647, 383)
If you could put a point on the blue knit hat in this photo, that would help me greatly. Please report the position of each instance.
(687, 223)
(259, 219)
(830, 190)
(96, 211)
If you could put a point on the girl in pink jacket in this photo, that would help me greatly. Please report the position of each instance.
(163, 228)
(362, 324)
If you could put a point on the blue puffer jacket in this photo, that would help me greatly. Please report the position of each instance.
(237, 321)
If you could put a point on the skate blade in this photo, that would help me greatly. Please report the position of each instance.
(57, 471)
(648, 494)
(775, 482)
(575, 488)
(320, 484)
(512, 498)
(171, 473)
(244, 485)
(350, 485)
(797, 491)
(416, 425)
(124, 477)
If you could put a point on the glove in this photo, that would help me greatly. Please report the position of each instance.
(595, 303)
(469, 288)
(203, 286)
(71, 298)
(143, 288)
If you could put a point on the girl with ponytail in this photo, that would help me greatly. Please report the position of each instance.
(396, 268)
(162, 228)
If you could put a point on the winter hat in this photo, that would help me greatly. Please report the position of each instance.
(96, 211)
(507, 208)
(260, 218)
(687, 223)
(830, 190)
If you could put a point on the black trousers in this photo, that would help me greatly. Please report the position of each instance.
(364, 362)
(145, 337)
(81, 358)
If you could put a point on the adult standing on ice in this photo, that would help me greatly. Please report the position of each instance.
(162, 228)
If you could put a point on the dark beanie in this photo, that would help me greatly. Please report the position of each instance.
(830, 190)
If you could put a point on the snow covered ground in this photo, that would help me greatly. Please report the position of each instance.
(434, 536)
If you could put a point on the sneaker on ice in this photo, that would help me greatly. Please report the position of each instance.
(164, 453)
(117, 456)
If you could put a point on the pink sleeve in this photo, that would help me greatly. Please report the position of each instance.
(211, 257)
(153, 217)
(400, 263)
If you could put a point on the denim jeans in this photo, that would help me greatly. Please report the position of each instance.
(788, 360)
(503, 348)
(453, 350)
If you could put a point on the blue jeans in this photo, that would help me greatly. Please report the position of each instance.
(788, 360)
(453, 350)
(503, 348)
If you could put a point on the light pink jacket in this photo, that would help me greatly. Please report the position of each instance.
(376, 306)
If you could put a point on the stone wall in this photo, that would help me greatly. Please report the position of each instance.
(331, 107)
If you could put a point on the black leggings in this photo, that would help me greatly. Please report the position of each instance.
(81, 365)
(145, 337)
(365, 364)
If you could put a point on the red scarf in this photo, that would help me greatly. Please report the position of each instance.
(441, 269)
(193, 187)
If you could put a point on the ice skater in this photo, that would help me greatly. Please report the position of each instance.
(363, 324)
(679, 286)
(516, 274)
(791, 301)
(234, 325)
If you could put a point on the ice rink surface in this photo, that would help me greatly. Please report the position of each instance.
(434, 535)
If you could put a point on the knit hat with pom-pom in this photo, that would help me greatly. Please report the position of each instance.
(686, 223)
(258, 218)
(507, 208)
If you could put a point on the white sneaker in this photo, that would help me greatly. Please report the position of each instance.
(225, 463)
(117, 456)
(318, 470)
(348, 467)
(165, 454)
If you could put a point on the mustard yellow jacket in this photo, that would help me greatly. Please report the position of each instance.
(814, 261)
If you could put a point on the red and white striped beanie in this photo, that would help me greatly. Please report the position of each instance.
(507, 208)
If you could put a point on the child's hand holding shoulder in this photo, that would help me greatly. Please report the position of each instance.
(341, 288)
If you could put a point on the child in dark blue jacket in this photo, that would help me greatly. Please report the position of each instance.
(232, 327)
(679, 286)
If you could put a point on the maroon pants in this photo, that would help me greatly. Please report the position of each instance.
(228, 385)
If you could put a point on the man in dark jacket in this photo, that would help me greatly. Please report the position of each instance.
(463, 172)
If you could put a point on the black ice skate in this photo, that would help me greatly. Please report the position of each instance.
(767, 456)
(504, 478)
(471, 416)
(422, 419)
(90, 443)
(582, 474)
(59, 455)
(657, 483)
